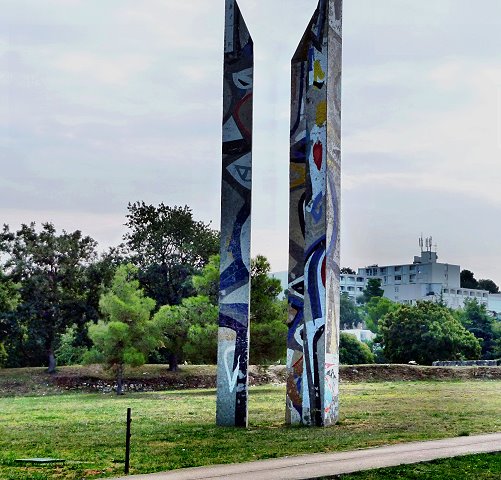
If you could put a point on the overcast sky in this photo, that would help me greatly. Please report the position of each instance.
(103, 102)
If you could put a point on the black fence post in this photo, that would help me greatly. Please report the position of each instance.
(127, 442)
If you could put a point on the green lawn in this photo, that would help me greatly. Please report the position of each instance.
(473, 467)
(176, 429)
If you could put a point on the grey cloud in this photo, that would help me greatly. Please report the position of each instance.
(40, 34)
(391, 219)
(427, 31)
(71, 143)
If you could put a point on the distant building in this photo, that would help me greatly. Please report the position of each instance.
(494, 304)
(423, 279)
(353, 285)
(361, 334)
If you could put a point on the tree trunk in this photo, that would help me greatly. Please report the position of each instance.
(120, 378)
(173, 363)
(52, 361)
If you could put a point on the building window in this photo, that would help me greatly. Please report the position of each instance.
(360, 279)
(398, 269)
(398, 278)
(412, 278)
(397, 289)
(343, 288)
(446, 290)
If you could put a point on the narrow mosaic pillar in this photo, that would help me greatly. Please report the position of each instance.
(315, 168)
(234, 290)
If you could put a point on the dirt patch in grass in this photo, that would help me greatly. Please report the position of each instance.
(93, 378)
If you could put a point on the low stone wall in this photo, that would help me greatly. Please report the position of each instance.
(396, 373)
(275, 375)
(468, 363)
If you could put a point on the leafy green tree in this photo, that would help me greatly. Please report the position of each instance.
(268, 314)
(376, 309)
(476, 319)
(373, 289)
(9, 300)
(468, 280)
(349, 313)
(69, 352)
(169, 246)
(51, 271)
(347, 271)
(489, 285)
(98, 279)
(189, 331)
(352, 351)
(207, 282)
(9, 294)
(496, 351)
(425, 333)
(127, 334)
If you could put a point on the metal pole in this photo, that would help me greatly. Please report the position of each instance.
(127, 442)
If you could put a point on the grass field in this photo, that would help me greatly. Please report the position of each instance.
(176, 429)
(472, 467)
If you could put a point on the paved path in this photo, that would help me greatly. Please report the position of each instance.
(324, 464)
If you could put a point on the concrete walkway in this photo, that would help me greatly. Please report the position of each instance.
(325, 464)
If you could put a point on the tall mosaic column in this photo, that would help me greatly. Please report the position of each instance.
(234, 290)
(315, 168)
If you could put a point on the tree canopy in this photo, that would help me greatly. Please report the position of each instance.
(489, 285)
(9, 299)
(352, 351)
(347, 271)
(169, 246)
(190, 328)
(207, 282)
(476, 319)
(376, 309)
(425, 333)
(468, 280)
(189, 331)
(126, 334)
(349, 314)
(373, 289)
(268, 327)
(51, 270)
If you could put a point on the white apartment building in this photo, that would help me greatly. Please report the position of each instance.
(423, 279)
(353, 285)
(495, 303)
